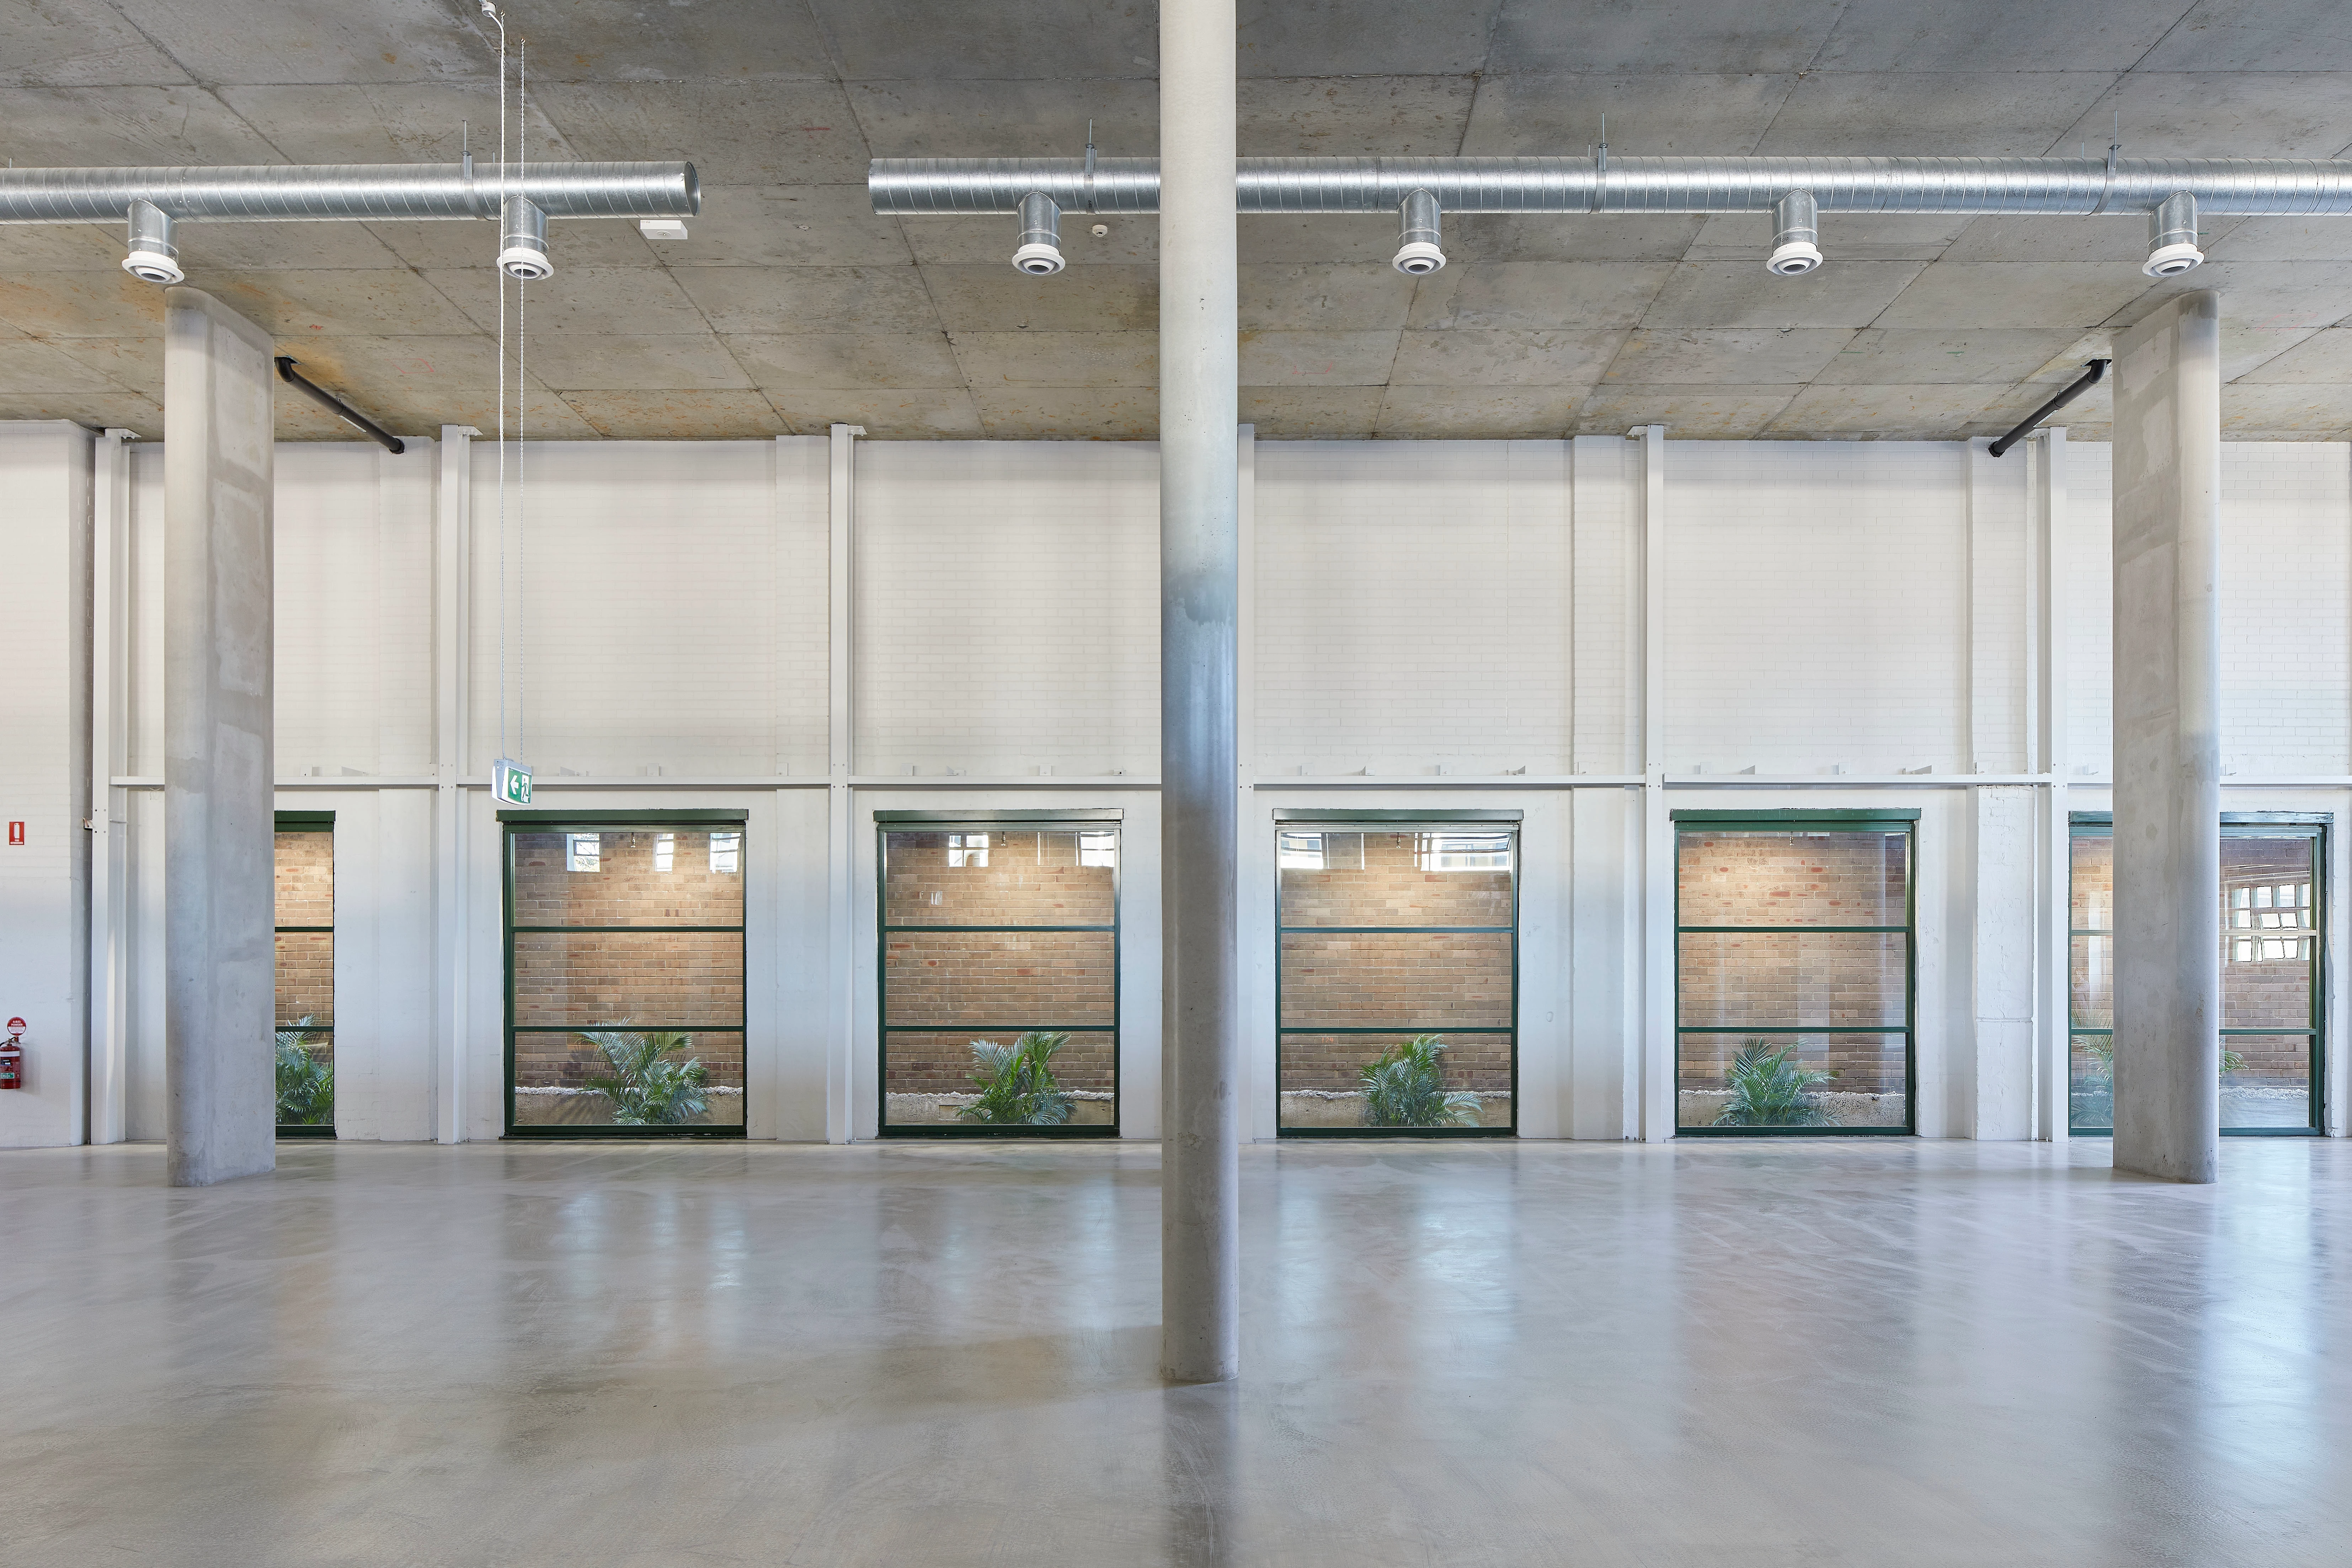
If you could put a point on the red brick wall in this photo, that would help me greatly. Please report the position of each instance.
(2256, 992)
(1436, 981)
(988, 985)
(1739, 981)
(306, 959)
(638, 978)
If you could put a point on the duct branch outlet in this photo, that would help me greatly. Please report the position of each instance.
(2172, 237)
(153, 258)
(1796, 234)
(1040, 253)
(1422, 251)
(522, 241)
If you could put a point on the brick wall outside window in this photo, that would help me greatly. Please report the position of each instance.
(306, 959)
(1792, 977)
(1413, 982)
(638, 978)
(961, 987)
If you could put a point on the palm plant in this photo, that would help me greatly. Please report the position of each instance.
(1770, 1089)
(648, 1088)
(2094, 1095)
(1016, 1082)
(1406, 1088)
(306, 1083)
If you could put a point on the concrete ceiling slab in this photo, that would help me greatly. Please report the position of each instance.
(790, 295)
(2273, 36)
(898, 415)
(1727, 356)
(1539, 295)
(678, 415)
(79, 43)
(1471, 356)
(1691, 413)
(891, 300)
(1669, 36)
(1103, 413)
(1316, 359)
(616, 363)
(2310, 407)
(1312, 413)
(828, 361)
(1743, 294)
(1886, 412)
(1002, 359)
(1941, 114)
(1996, 36)
(1481, 413)
(315, 40)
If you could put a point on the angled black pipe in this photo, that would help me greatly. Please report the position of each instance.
(336, 405)
(2081, 385)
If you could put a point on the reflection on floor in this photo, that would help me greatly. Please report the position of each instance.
(1806, 1351)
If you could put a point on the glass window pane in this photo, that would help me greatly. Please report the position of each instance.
(2266, 1080)
(1424, 981)
(1795, 979)
(623, 979)
(1793, 879)
(2269, 942)
(665, 877)
(2092, 977)
(306, 879)
(628, 1078)
(2090, 1092)
(1427, 878)
(1734, 1080)
(999, 980)
(1052, 876)
(306, 979)
(2094, 881)
(1375, 1080)
(937, 1079)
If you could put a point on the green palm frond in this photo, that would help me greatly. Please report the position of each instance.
(1770, 1089)
(648, 1088)
(306, 1083)
(1406, 1088)
(1016, 1082)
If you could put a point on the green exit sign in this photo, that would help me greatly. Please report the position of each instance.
(510, 782)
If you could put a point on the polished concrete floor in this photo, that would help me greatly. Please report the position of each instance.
(1804, 1353)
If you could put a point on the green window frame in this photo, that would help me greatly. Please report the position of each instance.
(307, 822)
(513, 822)
(2238, 825)
(1398, 821)
(1799, 821)
(1097, 820)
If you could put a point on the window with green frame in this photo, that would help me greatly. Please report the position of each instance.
(1794, 967)
(625, 973)
(997, 973)
(306, 973)
(1396, 972)
(2273, 886)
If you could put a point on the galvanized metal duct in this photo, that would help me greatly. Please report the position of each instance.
(2279, 187)
(328, 192)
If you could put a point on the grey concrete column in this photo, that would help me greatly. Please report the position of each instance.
(1200, 1247)
(219, 944)
(2167, 797)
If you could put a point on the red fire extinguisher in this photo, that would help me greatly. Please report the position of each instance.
(12, 1055)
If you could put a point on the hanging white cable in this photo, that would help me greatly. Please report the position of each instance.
(522, 412)
(505, 189)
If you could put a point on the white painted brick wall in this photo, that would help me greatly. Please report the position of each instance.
(1607, 632)
(644, 603)
(1412, 607)
(1816, 607)
(1007, 607)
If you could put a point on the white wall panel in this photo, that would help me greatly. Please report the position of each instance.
(638, 621)
(1007, 609)
(1818, 606)
(1412, 607)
